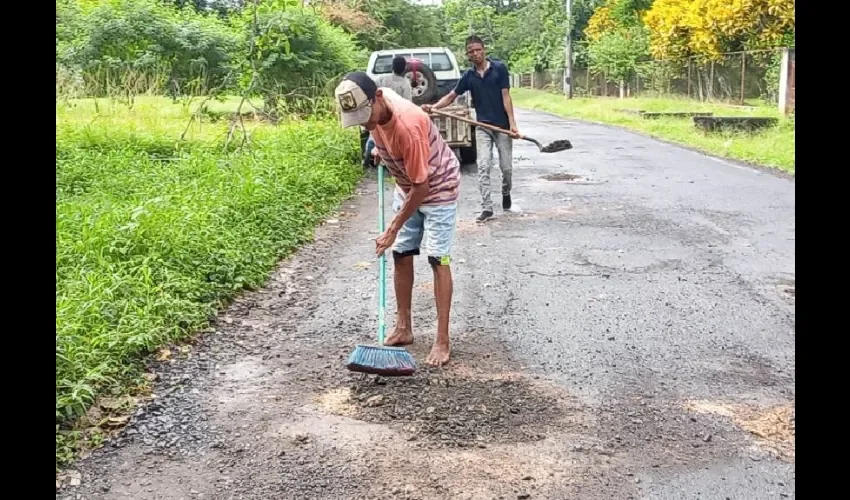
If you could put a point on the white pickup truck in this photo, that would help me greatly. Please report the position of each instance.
(433, 72)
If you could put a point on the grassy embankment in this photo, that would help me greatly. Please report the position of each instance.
(773, 147)
(153, 235)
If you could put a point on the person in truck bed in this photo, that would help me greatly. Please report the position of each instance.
(489, 83)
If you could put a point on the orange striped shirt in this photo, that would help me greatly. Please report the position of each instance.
(414, 152)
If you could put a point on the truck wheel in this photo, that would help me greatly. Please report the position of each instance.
(424, 86)
(469, 155)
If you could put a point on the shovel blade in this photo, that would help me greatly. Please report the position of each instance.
(554, 147)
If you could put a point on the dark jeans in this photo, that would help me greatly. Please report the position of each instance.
(370, 145)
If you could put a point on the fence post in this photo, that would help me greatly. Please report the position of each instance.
(743, 74)
(711, 81)
(786, 82)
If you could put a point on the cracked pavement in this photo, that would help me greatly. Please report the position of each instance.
(626, 334)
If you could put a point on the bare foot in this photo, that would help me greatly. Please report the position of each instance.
(400, 336)
(439, 355)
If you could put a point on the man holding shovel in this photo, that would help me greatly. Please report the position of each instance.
(427, 177)
(489, 83)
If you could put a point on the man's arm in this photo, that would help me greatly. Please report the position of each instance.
(449, 98)
(505, 84)
(442, 103)
(412, 201)
(416, 165)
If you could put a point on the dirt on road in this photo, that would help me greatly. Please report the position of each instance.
(601, 350)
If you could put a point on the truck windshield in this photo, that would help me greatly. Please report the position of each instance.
(437, 61)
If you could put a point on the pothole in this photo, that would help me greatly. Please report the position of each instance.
(562, 176)
(456, 412)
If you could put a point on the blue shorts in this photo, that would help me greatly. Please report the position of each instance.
(433, 223)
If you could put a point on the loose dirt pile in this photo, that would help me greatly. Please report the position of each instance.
(452, 411)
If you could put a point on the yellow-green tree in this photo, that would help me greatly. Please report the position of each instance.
(617, 41)
(708, 28)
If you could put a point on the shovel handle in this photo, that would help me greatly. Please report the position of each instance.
(473, 122)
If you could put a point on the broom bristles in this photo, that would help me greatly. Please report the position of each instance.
(381, 360)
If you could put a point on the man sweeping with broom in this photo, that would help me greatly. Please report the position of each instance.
(427, 177)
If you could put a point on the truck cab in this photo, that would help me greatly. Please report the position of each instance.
(435, 74)
(441, 60)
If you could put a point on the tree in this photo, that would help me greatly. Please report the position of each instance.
(479, 17)
(546, 18)
(708, 28)
(295, 53)
(139, 45)
(619, 53)
(386, 24)
(615, 14)
(618, 43)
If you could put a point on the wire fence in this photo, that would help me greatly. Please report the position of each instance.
(736, 77)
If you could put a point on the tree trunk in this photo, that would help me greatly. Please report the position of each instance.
(622, 89)
(699, 85)
(270, 106)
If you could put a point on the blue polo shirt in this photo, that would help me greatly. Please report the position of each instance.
(487, 92)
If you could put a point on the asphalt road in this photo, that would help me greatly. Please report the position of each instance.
(625, 334)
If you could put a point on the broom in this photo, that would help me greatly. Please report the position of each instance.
(380, 359)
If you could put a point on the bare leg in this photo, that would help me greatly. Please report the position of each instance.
(403, 280)
(443, 288)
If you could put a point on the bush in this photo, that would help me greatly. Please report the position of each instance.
(143, 46)
(151, 238)
(297, 54)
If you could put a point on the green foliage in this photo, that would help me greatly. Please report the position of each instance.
(627, 12)
(772, 147)
(296, 52)
(582, 12)
(152, 236)
(405, 25)
(548, 19)
(138, 46)
(505, 29)
(465, 17)
(387, 24)
(619, 53)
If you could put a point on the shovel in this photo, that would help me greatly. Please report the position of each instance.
(554, 147)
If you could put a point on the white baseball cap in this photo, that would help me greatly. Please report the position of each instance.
(355, 95)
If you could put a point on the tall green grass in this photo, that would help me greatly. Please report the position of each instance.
(773, 147)
(153, 235)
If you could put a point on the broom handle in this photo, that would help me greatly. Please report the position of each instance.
(382, 263)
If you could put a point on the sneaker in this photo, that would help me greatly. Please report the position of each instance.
(486, 214)
(506, 201)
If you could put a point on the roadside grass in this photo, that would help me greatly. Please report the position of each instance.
(154, 235)
(772, 147)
